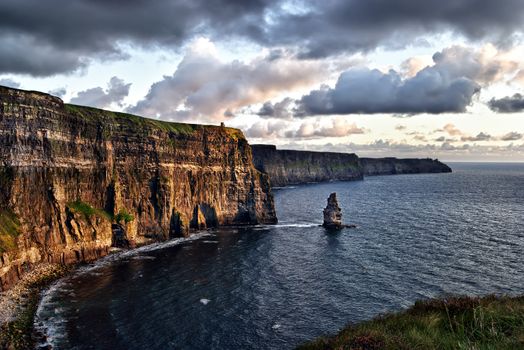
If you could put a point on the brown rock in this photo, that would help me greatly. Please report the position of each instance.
(332, 213)
(153, 173)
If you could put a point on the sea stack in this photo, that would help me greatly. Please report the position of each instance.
(332, 213)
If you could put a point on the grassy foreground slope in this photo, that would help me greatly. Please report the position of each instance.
(490, 322)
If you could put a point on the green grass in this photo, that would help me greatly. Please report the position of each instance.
(123, 215)
(9, 230)
(451, 323)
(88, 211)
(117, 118)
(136, 123)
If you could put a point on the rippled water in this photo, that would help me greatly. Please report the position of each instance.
(418, 236)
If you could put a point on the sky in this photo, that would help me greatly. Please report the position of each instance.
(441, 79)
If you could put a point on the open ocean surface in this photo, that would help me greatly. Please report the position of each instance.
(273, 287)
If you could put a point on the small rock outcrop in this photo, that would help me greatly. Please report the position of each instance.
(332, 213)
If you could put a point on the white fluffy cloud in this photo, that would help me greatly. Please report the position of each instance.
(115, 93)
(204, 87)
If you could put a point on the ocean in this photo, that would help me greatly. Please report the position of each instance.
(274, 287)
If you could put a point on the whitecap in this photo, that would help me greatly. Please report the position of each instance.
(205, 301)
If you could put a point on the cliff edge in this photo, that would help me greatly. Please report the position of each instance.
(287, 167)
(76, 181)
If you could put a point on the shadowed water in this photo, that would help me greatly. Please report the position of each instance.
(418, 236)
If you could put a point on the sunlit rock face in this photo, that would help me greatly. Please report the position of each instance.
(76, 181)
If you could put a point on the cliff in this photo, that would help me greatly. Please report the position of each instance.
(76, 181)
(392, 166)
(287, 167)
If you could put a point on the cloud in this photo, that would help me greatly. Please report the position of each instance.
(451, 129)
(266, 129)
(115, 93)
(509, 104)
(447, 86)
(482, 136)
(308, 129)
(361, 90)
(389, 148)
(327, 28)
(9, 83)
(281, 110)
(60, 92)
(204, 87)
(45, 38)
(512, 136)
(339, 127)
(56, 36)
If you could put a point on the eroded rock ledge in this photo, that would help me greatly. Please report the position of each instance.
(76, 181)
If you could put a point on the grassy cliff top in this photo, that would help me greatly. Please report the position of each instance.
(91, 113)
(451, 323)
(13, 95)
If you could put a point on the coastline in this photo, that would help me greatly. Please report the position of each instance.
(19, 304)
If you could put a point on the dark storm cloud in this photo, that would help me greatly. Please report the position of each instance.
(116, 91)
(355, 25)
(361, 90)
(509, 104)
(56, 36)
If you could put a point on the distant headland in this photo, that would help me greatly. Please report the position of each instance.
(290, 167)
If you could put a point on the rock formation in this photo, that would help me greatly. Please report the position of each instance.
(332, 213)
(286, 167)
(75, 181)
(394, 166)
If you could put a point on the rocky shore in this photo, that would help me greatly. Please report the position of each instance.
(18, 305)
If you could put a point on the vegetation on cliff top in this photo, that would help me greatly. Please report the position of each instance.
(118, 118)
(452, 323)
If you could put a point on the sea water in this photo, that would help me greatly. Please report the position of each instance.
(274, 287)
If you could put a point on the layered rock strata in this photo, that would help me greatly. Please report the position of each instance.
(75, 181)
(287, 167)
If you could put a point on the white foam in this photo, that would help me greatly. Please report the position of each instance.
(53, 327)
(276, 326)
(304, 225)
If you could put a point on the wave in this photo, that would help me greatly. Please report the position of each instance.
(49, 321)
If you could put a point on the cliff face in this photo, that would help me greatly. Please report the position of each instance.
(75, 181)
(286, 167)
(392, 166)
